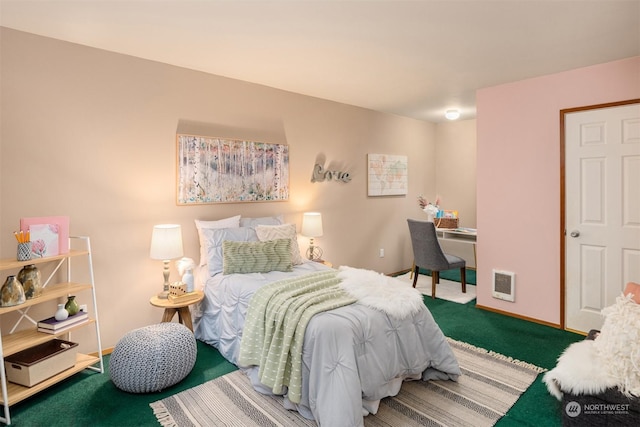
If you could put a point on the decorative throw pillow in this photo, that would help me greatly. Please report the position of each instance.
(631, 288)
(265, 220)
(257, 257)
(214, 239)
(231, 222)
(284, 231)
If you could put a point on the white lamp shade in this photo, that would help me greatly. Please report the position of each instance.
(311, 224)
(166, 242)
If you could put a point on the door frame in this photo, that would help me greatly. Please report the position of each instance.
(563, 189)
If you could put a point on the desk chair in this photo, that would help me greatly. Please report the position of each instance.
(428, 254)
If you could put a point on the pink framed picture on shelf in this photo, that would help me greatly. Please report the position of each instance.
(49, 235)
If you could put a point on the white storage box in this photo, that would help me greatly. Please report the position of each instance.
(34, 365)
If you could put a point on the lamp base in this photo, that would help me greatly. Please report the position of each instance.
(163, 295)
(314, 253)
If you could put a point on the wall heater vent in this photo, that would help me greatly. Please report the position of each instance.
(504, 285)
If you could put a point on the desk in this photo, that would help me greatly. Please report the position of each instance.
(462, 235)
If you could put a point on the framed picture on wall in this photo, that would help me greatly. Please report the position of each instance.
(219, 170)
(387, 175)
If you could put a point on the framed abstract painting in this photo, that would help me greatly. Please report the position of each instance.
(219, 170)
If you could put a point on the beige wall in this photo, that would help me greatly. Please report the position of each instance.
(456, 178)
(91, 134)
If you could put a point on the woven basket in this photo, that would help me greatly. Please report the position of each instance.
(446, 222)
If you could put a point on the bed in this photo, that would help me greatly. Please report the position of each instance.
(352, 356)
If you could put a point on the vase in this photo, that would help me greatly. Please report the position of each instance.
(11, 292)
(31, 281)
(61, 313)
(72, 305)
(187, 279)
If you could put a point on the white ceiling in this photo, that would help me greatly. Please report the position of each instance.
(411, 58)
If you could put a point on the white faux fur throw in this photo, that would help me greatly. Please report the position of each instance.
(618, 344)
(578, 372)
(611, 360)
(381, 292)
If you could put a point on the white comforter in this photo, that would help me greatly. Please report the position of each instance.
(353, 356)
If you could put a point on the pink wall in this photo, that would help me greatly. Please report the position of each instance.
(518, 178)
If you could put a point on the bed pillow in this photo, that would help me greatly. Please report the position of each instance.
(256, 257)
(231, 222)
(215, 237)
(284, 231)
(265, 220)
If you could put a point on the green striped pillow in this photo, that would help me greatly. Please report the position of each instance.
(256, 257)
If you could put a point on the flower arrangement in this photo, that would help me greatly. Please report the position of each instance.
(38, 248)
(431, 209)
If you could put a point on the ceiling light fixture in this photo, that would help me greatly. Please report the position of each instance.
(452, 114)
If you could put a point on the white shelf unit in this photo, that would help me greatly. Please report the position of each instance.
(27, 337)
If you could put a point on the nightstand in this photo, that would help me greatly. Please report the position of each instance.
(171, 308)
(321, 261)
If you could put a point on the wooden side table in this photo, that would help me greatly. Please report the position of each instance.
(171, 308)
(325, 262)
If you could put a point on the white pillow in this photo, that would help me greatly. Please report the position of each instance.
(215, 237)
(265, 220)
(284, 231)
(231, 222)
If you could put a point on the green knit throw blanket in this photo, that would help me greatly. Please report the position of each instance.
(275, 324)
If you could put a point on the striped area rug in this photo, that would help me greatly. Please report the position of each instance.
(490, 384)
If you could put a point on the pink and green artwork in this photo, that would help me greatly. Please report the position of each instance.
(217, 170)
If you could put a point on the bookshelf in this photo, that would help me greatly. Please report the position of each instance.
(28, 336)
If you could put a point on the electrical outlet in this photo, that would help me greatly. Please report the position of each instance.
(83, 308)
(381, 252)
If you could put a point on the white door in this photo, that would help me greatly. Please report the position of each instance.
(602, 210)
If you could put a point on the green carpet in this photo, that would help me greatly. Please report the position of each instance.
(90, 399)
(517, 338)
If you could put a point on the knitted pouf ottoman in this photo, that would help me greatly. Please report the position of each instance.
(152, 358)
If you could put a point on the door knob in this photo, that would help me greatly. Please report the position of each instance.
(575, 233)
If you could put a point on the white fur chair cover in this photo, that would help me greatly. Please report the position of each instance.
(611, 360)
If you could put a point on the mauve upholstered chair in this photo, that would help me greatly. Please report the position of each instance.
(428, 254)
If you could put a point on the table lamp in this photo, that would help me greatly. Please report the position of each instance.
(166, 244)
(312, 227)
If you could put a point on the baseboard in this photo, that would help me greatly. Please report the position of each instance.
(577, 332)
(105, 351)
(399, 273)
(518, 316)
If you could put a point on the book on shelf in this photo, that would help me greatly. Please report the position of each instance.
(189, 296)
(52, 324)
(64, 328)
